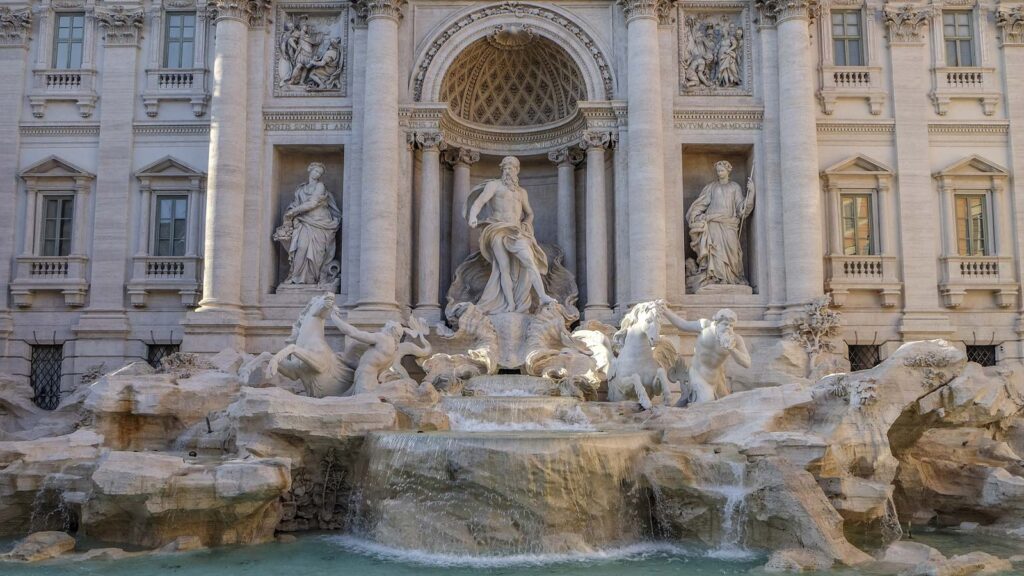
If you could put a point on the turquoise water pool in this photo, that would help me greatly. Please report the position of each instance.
(325, 554)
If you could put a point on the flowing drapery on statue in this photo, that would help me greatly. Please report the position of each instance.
(715, 219)
(309, 228)
(512, 272)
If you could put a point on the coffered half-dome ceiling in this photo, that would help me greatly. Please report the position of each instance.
(513, 77)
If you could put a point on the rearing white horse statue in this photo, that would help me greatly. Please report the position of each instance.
(643, 360)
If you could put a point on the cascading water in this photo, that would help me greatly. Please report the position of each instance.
(517, 476)
(734, 513)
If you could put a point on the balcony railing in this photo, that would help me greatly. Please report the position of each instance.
(965, 83)
(875, 273)
(980, 273)
(851, 82)
(50, 85)
(182, 84)
(65, 274)
(179, 274)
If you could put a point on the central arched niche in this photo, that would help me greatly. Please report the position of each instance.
(513, 78)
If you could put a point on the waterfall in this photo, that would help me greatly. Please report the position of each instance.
(734, 514)
(511, 413)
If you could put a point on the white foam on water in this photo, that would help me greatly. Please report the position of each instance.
(465, 424)
(632, 552)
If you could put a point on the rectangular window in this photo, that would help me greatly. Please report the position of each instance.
(155, 353)
(179, 39)
(847, 38)
(984, 355)
(863, 357)
(68, 41)
(959, 35)
(171, 225)
(58, 214)
(971, 224)
(858, 224)
(46, 374)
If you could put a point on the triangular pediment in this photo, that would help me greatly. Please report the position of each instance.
(858, 164)
(54, 167)
(973, 165)
(168, 167)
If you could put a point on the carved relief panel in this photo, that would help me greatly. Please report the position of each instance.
(311, 51)
(714, 49)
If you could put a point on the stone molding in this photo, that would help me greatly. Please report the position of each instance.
(1010, 21)
(775, 12)
(1001, 128)
(122, 25)
(64, 131)
(449, 36)
(367, 10)
(718, 119)
(15, 27)
(503, 141)
(307, 120)
(906, 23)
(252, 13)
(567, 155)
(172, 129)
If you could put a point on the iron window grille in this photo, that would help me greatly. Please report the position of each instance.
(863, 357)
(46, 375)
(157, 352)
(984, 355)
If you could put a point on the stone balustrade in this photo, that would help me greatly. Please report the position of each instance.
(180, 84)
(961, 274)
(50, 85)
(179, 274)
(65, 274)
(966, 83)
(875, 273)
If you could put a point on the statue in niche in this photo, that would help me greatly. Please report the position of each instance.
(308, 233)
(306, 60)
(507, 242)
(716, 343)
(712, 53)
(715, 221)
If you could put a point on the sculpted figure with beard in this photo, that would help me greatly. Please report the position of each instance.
(716, 342)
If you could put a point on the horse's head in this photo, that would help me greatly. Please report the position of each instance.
(643, 317)
(321, 306)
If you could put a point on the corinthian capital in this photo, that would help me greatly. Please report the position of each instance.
(567, 155)
(466, 156)
(252, 12)
(662, 10)
(906, 23)
(122, 26)
(1010, 20)
(367, 10)
(430, 140)
(778, 11)
(15, 26)
(597, 139)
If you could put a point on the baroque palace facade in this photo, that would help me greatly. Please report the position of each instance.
(159, 159)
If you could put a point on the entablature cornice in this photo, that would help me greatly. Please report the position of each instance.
(718, 119)
(307, 120)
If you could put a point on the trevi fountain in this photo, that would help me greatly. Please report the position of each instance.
(325, 293)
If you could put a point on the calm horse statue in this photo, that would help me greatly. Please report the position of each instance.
(643, 359)
(308, 357)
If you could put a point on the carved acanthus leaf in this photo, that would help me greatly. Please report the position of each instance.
(455, 156)
(567, 155)
(368, 9)
(252, 12)
(778, 11)
(430, 140)
(1010, 20)
(597, 139)
(122, 25)
(906, 23)
(663, 10)
(15, 26)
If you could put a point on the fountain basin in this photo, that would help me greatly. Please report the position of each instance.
(496, 413)
(503, 493)
(510, 385)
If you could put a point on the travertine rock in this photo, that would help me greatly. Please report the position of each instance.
(797, 560)
(228, 360)
(150, 499)
(275, 422)
(149, 412)
(40, 546)
(963, 565)
(912, 553)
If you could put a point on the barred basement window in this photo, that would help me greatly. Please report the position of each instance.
(157, 352)
(46, 374)
(863, 357)
(984, 355)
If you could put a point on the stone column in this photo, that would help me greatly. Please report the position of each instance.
(566, 159)
(1010, 20)
(597, 306)
(147, 215)
(15, 33)
(460, 160)
(647, 235)
(226, 183)
(919, 209)
(798, 140)
(378, 222)
(428, 227)
(80, 226)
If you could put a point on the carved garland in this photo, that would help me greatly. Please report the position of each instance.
(1010, 21)
(15, 26)
(517, 10)
(906, 23)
